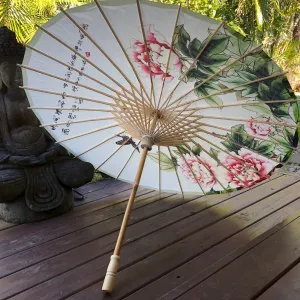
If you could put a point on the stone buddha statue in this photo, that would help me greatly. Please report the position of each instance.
(36, 175)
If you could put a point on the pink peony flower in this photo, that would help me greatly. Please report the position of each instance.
(158, 50)
(205, 176)
(258, 129)
(255, 168)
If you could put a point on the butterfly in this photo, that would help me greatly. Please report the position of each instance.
(126, 140)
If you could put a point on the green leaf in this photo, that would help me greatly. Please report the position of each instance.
(296, 111)
(289, 135)
(239, 134)
(239, 44)
(196, 150)
(234, 80)
(214, 153)
(166, 163)
(281, 140)
(265, 148)
(249, 91)
(183, 150)
(176, 152)
(181, 38)
(260, 68)
(260, 108)
(263, 91)
(231, 147)
(195, 74)
(194, 48)
(214, 60)
(206, 90)
(253, 143)
(280, 110)
(217, 45)
(247, 76)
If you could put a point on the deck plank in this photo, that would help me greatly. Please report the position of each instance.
(28, 235)
(190, 274)
(186, 224)
(263, 263)
(174, 248)
(5, 225)
(54, 266)
(28, 257)
(286, 288)
(171, 257)
(97, 186)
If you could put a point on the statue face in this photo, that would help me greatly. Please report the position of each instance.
(10, 75)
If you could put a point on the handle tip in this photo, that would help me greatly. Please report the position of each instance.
(111, 272)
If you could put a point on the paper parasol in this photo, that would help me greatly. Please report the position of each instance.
(112, 80)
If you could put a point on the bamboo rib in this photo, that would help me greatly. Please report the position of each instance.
(242, 146)
(232, 88)
(166, 104)
(99, 144)
(145, 115)
(175, 137)
(215, 74)
(178, 134)
(70, 108)
(172, 143)
(68, 96)
(205, 166)
(216, 146)
(131, 114)
(219, 162)
(229, 130)
(126, 163)
(75, 69)
(187, 104)
(288, 174)
(123, 49)
(180, 186)
(147, 52)
(139, 111)
(125, 120)
(159, 171)
(244, 103)
(87, 133)
(105, 161)
(228, 153)
(100, 49)
(169, 57)
(191, 115)
(78, 121)
(191, 170)
(246, 120)
(69, 81)
(83, 57)
(175, 130)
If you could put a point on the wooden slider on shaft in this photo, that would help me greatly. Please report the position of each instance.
(114, 260)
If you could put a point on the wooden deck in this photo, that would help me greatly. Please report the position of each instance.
(241, 246)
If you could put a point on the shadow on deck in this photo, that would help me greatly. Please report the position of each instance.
(245, 245)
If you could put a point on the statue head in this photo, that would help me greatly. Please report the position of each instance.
(11, 53)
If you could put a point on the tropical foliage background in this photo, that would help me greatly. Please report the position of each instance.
(274, 23)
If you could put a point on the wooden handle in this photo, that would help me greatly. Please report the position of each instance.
(114, 261)
(111, 272)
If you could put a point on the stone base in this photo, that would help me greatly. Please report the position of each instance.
(17, 211)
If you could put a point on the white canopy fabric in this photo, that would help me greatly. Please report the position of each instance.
(99, 74)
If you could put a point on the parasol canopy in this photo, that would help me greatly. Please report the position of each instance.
(112, 80)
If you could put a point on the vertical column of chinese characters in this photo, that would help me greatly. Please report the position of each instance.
(74, 77)
(75, 88)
